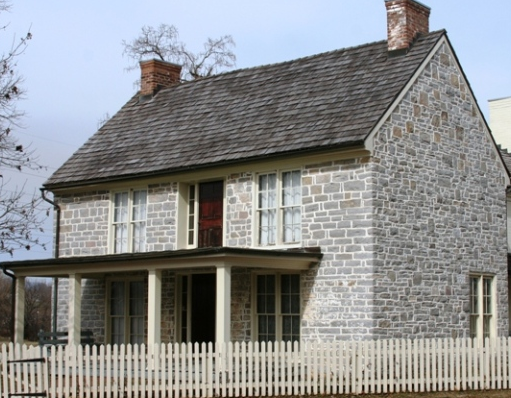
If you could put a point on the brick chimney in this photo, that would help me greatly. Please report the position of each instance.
(156, 74)
(405, 20)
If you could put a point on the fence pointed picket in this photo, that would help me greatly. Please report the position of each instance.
(246, 352)
(506, 352)
(391, 359)
(236, 368)
(243, 369)
(258, 374)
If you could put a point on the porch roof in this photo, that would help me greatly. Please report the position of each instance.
(94, 266)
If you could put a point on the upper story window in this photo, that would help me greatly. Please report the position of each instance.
(279, 204)
(129, 221)
(482, 317)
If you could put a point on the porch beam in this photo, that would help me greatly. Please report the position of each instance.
(154, 307)
(223, 303)
(19, 310)
(75, 306)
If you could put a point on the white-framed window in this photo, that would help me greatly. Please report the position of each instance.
(279, 208)
(126, 311)
(129, 221)
(277, 307)
(482, 306)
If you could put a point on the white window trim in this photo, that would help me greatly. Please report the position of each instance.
(111, 233)
(279, 244)
(480, 302)
(278, 297)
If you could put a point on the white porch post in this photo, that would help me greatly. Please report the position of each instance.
(19, 310)
(75, 305)
(154, 307)
(223, 303)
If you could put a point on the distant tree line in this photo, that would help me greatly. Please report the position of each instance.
(37, 307)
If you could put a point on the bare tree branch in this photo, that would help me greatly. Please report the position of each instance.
(18, 216)
(163, 43)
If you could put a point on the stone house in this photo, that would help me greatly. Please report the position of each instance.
(355, 194)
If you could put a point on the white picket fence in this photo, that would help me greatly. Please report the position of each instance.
(253, 369)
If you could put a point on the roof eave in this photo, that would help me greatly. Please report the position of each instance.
(351, 145)
(92, 266)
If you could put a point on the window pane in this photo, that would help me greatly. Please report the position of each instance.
(291, 188)
(291, 328)
(487, 296)
(139, 205)
(266, 330)
(139, 215)
(137, 330)
(266, 307)
(137, 302)
(291, 201)
(117, 332)
(290, 294)
(266, 205)
(117, 298)
(117, 317)
(474, 291)
(121, 207)
(139, 235)
(474, 306)
(121, 238)
(267, 227)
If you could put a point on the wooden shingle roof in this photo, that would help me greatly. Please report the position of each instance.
(319, 102)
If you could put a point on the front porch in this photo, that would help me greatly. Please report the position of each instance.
(217, 262)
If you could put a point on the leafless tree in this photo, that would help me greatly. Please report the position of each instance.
(37, 307)
(163, 43)
(18, 217)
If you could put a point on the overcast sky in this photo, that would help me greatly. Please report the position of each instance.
(75, 73)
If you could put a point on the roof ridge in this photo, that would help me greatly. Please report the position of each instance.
(299, 59)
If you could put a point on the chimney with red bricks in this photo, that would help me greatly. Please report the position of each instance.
(156, 74)
(406, 19)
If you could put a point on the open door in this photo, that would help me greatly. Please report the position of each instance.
(198, 302)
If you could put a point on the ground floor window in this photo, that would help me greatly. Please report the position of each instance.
(482, 317)
(126, 312)
(277, 307)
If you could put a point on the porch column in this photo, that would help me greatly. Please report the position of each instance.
(154, 307)
(75, 307)
(19, 311)
(223, 303)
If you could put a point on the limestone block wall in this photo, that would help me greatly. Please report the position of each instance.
(337, 216)
(239, 209)
(161, 217)
(84, 223)
(439, 209)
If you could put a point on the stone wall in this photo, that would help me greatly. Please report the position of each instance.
(439, 209)
(337, 215)
(161, 217)
(84, 224)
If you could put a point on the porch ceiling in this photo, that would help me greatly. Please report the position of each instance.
(95, 266)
